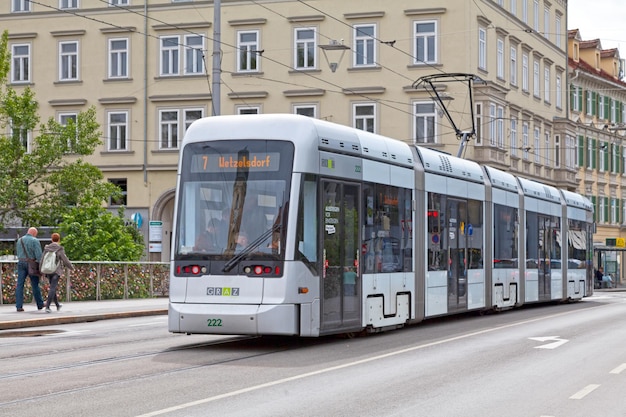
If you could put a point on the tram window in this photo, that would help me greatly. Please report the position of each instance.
(532, 240)
(505, 237)
(386, 238)
(307, 222)
(437, 257)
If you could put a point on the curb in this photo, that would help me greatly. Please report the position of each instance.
(83, 318)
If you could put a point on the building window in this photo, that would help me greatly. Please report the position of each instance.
(614, 111)
(546, 84)
(513, 68)
(170, 128)
(68, 61)
(482, 48)
(248, 47)
(194, 54)
(576, 98)
(525, 73)
(591, 98)
(500, 59)
(492, 124)
(513, 136)
(425, 42)
(525, 145)
(22, 135)
(68, 4)
(118, 58)
(500, 127)
(305, 48)
(20, 60)
(66, 119)
(364, 116)
(559, 93)
(546, 23)
(557, 30)
(119, 2)
(20, 6)
(557, 151)
(249, 110)
(309, 110)
(118, 130)
(122, 184)
(546, 151)
(536, 78)
(364, 45)
(169, 55)
(513, 8)
(525, 11)
(425, 128)
(537, 144)
(536, 15)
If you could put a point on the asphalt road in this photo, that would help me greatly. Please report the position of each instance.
(564, 360)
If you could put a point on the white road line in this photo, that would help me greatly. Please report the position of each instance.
(345, 365)
(619, 369)
(584, 392)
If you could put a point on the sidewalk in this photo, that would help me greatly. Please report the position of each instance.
(80, 311)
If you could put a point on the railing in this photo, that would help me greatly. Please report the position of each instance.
(91, 281)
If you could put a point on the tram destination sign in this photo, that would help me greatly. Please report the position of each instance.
(254, 161)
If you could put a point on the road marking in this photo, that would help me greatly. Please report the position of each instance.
(557, 342)
(347, 365)
(584, 392)
(619, 369)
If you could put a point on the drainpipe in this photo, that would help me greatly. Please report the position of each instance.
(145, 94)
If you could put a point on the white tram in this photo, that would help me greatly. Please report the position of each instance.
(288, 225)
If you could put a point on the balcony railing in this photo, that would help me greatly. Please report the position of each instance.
(92, 281)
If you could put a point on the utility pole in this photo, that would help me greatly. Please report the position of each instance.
(217, 58)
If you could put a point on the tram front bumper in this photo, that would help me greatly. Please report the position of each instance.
(233, 319)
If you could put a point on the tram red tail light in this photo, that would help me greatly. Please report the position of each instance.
(190, 270)
(262, 270)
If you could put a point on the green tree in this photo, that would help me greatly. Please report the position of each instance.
(95, 234)
(42, 175)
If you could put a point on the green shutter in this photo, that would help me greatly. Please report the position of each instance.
(581, 151)
(594, 153)
(606, 210)
(606, 156)
(580, 98)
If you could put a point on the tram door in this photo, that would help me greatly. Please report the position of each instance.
(457, 254)
(544, 249)
(341, 281)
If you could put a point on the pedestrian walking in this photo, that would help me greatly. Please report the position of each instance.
(27, 247)
(62, 260)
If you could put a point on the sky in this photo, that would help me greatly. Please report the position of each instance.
(600, 19)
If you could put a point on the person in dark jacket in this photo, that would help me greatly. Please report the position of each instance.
(27, 247)
(62, 260)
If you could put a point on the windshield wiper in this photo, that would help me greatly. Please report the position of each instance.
(251, 247)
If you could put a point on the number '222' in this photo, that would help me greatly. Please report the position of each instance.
(214, 322)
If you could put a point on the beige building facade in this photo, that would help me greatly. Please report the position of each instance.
(146, 66)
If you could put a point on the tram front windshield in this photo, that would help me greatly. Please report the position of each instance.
(233, 198)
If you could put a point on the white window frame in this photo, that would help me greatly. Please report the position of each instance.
(482, 48)
(364, 121)
(513, 146)
(492, 124)
(24, 134)
(247, 51)
(364, 45)
(241, 110)
(589, 104)
(169, 55)
(536, 79)
(478, 113)
(172, 131)
(500, 58)
(525, 11)
(546, 22)
(537, 137)
(119, 3)
(576, 98)
(119, 58)
(525, 138)
(513, 7)
(118, 131)
(500, 127)
(20, 6)
(69, 4)
(513, 65)
(20, 63)
(546, 83)
(63, 117)
(525, 72)
(193, 55)
(426, 121)
(614, 110)
(546, 151)
(308, 110)
(559, 93)
(425, 42)
(557, 31)
(557, 151)
(306, 47)
(536, 15)
(69, 61)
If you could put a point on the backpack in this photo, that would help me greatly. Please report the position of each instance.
(49, 263)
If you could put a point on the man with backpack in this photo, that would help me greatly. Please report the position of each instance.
(60, 259)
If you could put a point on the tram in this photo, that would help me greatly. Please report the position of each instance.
(289, 225)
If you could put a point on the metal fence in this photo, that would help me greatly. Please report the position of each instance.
(92, 281)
